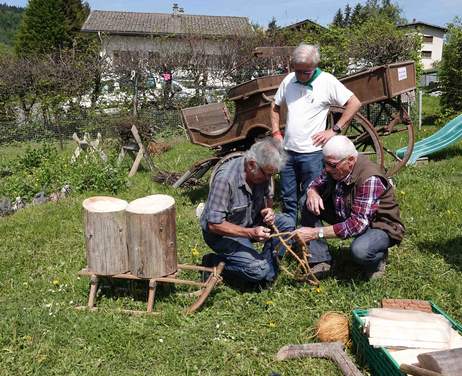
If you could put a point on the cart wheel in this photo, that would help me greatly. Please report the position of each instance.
(361, 132)
(394, 127)
(196, 171)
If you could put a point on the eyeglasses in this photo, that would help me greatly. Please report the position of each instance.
(305, 72)
(334, 165)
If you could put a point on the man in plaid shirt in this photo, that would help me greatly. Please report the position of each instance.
(355, 197)
(238, 213)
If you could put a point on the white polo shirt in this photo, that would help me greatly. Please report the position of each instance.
(308, 109)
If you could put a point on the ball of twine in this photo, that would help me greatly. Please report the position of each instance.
(332, 327)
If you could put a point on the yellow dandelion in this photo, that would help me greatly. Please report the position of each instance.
(318, 290)
(269, 302)
(56, 282)
(272, 324)
(195, 252)
(402, 192)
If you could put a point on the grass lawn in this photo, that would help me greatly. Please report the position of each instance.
(42, 249)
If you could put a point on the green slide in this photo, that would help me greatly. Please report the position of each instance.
(446, 136)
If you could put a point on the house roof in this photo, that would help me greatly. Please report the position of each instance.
(419, 23)
(165, 23)
(299, 25)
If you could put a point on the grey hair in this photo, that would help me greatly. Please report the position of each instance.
(339, 147)
(267, 152)
(306, 53)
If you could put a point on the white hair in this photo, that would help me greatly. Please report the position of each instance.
(339, 147)
(306, 54)
(267, 152)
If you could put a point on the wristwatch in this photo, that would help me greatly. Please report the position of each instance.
(336, 128)
(321, 233)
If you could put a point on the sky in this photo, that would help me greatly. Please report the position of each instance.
(436, 12)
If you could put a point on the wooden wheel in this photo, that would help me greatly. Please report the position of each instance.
(394, 127)
(361, 132)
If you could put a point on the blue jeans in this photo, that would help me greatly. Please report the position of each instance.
(242, 261)
(299, 171)
(367, 249)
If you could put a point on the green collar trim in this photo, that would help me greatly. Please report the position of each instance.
(308, 83)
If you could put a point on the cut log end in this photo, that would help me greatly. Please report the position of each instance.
(151, 204)
(104, 204)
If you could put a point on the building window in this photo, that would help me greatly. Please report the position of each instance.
(426, 54)
(428, 39)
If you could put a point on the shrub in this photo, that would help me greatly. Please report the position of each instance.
(44, 169)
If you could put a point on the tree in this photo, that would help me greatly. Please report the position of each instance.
(338, 18)
(272, 26)
(49, 25)
(372, 9)
(378, 41)
(347, 16)
(357, 15)
(450, 68)
(10, 18)
(333, 45)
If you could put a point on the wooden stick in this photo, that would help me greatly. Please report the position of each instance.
(214, 278)
(151, 294)
(417, 371)
(332, 350)
(93, 289)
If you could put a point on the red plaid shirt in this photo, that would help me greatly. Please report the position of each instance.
(365, 204)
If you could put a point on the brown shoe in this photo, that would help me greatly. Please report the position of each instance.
(321, 270)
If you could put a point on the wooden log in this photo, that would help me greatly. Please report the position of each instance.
(446, 362)
(151, 236)
(105, 230)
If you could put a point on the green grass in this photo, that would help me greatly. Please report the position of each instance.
(42, 249)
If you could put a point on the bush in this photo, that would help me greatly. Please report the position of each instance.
(44, 169)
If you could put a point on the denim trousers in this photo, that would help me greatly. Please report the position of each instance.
(242, 261)
(367, 249)
(298, 172)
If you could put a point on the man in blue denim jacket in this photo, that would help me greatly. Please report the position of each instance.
(238, 211)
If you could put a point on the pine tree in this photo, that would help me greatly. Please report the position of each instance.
(357, 15)
(347, 16)
(48, 25)
(338, 19)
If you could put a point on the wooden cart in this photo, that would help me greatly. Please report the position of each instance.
(381, 127)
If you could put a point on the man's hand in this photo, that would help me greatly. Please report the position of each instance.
(307, 233)
(259, 233)
(314, 202)
(268, 216)
(320, 138)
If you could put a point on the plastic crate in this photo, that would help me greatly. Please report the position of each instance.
(379, 360)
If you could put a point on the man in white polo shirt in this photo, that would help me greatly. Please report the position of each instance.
(308, 93)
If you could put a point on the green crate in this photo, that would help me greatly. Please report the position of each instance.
(379, 359)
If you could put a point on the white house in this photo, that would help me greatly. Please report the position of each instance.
(432, 41)
(148, 33)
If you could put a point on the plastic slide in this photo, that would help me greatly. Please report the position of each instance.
(446, 136)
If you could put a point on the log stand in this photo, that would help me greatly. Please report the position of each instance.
(204, 287)
(137, 151)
